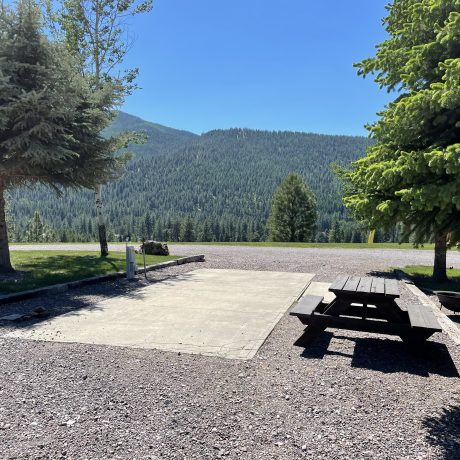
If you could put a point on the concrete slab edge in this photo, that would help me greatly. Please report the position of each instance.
(447, 325)
(56, 288)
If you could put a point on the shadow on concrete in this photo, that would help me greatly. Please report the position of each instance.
(86, 298)
(444, 432)
(388, 356)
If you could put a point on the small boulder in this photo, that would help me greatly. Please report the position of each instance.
(154, 248)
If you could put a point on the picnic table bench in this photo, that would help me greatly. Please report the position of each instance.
(365, 304)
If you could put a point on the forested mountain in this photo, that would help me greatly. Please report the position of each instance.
(160, 139)
(179, 185)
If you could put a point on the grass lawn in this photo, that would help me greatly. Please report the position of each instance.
(44, 268)
(421, 275)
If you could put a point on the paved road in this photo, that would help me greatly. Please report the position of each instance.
(313, 260)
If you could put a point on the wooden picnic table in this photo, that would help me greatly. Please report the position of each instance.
(365, 304)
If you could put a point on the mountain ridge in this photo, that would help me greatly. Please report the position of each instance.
(224, 178)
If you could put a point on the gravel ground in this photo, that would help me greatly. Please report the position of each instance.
(349, 395)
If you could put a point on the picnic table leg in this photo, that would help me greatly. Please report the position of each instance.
(391, 311)
(312, 331)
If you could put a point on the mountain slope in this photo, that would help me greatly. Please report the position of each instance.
(160, 139)
(225, 178)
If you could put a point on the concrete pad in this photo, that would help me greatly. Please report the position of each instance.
(321, 289)
(227, 313)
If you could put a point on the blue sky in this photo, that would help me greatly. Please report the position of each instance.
(265, 64)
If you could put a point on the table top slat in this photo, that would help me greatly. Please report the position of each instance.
(352, 284)
(365, 285)
(378, 286)
(338, 283)
(391, 288)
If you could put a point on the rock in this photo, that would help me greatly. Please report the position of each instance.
(154, 248)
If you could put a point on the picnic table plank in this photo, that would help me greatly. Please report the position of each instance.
(365, 285)
(338, 283)
(391, 288)
(421, 316)
(352, 284)
(378, 286)
(306, 306)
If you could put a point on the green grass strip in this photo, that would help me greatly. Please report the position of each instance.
(44, 268)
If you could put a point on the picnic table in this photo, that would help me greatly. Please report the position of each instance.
(365, 304)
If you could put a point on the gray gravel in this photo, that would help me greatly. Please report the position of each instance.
(350, 395)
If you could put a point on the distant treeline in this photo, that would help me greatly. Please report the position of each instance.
(222, 182)
(188, 230)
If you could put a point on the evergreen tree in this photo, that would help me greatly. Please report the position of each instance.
(96, 31)
(175, 230)
(50, 119)
(206, 232)
(293, 215)
(188, 231)
(335, 233)
(412, 173)
(35, 230)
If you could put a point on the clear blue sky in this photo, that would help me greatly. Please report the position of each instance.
(277, 65)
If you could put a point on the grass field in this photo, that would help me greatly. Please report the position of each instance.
(421, 275)
(268, 244)
(44, 268)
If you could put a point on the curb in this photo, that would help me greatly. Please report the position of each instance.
(447, 325)
(56, 288)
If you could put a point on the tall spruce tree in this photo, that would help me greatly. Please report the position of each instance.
(97, 31)
(50, 119)
(188, 230)
(293, 214)
(412, 173)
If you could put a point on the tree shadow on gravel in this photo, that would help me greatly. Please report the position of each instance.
(382, 274)
(444, 432)
(73, 302)
(388, 356)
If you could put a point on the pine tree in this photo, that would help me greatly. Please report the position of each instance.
(412, 172)
(50, 120)
(188, 230)
(206, 232)
(293, 215)
(96, 30)
(335, 233)
(35, 229)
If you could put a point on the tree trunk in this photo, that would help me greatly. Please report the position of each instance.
(101, 223)
(5, 262)
(440, 253)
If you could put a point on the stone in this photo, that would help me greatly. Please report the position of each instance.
(154, 248)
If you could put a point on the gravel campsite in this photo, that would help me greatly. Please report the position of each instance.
(348, 395)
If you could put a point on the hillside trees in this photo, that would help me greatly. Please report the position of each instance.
(293, 215)
(96, 31)
(216, 177)
(412, 173)
(50, 120)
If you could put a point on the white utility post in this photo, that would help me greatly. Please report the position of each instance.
(131, 266)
